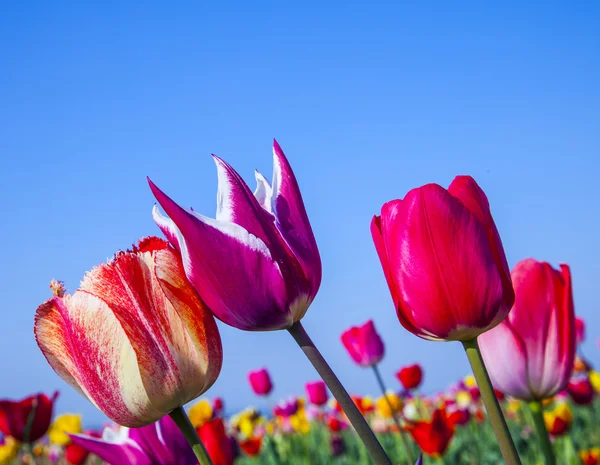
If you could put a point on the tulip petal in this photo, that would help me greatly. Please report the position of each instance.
(232, 269)
(116, 449)
(86, 345)
(442, 262)
(263, 192)
(292, 220)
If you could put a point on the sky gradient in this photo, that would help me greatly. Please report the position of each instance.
(367, 102)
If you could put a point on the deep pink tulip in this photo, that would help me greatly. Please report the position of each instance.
(260, 382)
(317, 393)
(364, 344)
(580, 329)
(580, 389)
(256, 265)
(530, 354)
(444, 261)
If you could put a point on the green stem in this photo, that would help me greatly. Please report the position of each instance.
(339, 392)
(507, 446)
(27, 431)
(405, 443)
(537, 414)
(183, 422)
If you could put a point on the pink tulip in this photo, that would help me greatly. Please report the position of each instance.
(256, 265)
(317, 393)
(580, 330)
(530, 354)
(364, 344)
(135, 338)
(260, 381)
(444, 261)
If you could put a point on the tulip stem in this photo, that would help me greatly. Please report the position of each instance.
(27, 431)
(540, 426)
(507, 446)
(183, 423)
(405, 443)
(339, 392)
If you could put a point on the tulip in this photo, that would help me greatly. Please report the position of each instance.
(580, 390)
(458, 417)
(217, 443)
(447, 273)
(160, 443)
(530, 355)
(15, 416)
(338, 446)
(364, 345)
(389, 405)
(410, 376)
(145, 343)
(595, 380)
(218, 406)
(444, 261)
(590, 456)
(317, 393)
(260, 382)
(75, 454)
(558, 420)
(434, 436)
(257, 265)
(335, 424)
(252, 446)
(63, 425)
(9, 449)
(580, 330)
(200, 413)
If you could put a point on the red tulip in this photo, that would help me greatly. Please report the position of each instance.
(14, 416)
(581, 390)
(135, 338)
(433, 436)
(444, 261)
(580, 329)
(335, 424)
(251, 446)
(218, 406)
(317, 393)
(260, 381)
(75, 454)
(530, 354)
(459, 417)
(410, 376)
(364, 344)
(217, 443)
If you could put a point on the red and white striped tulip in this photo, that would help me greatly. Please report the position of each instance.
(256, 265)
(135, 338)
(444, 261)
(530, 354)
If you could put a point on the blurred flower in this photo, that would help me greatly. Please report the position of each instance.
(135, 339)
(431, 245)
(63, 425)
(595, 380)
(316, 392)
(581, 365)
(579, 330)
(287, 407)
(160, 443)
(338, 446)
(363, 344)
(14, 416)
(76, 454)
(590, 456)
(410, 376)
(251, 446)
(218, 445)
(383, 405)
(469, 382)
(581, 390)
(200, 413)
(433, 436)
(335, 424)
(256, 265)
(9, 449)
(260, 382)
(458, 416)
(530, 354)
(299, 422)
(218, 406)
(558, 420)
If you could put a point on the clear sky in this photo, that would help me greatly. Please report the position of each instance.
(367, 100)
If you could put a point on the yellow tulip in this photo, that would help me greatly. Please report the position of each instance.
(63, 425)
(200, 413)
(9, 450)
(470, 381)
(300, 423)
(383, 406)
(595, 380)
(463, 399)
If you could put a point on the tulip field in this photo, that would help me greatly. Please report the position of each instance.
(139, 340)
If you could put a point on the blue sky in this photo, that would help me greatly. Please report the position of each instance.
(368, 101)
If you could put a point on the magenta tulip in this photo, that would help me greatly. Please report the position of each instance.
(256, 265)
(580, 330)
(580, 389)
(317, 393)
(260, 382)
(530, 354)
(444, 261)
(364, 344)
